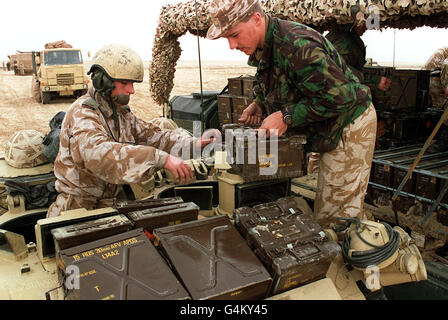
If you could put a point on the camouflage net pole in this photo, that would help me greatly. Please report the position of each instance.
(176, 20)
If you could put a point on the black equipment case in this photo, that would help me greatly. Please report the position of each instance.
(185, 110)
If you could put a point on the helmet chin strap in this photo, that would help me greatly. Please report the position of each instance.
(122, 99)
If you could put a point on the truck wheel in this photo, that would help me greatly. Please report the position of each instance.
(45, 97)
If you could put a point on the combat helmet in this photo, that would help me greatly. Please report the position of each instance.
(25, 149)
(115, 62)
(119, 62)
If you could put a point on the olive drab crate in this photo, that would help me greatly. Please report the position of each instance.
(232, 104)
(291, 245)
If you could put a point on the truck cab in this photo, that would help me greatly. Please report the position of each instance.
(59, 72)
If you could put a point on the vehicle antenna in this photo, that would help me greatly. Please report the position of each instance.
(395, 31)
(199, 49)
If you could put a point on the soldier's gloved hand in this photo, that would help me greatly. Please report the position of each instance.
(273, 122)
(384, 84)
(180, 170)
(208, 137)
(251, 115)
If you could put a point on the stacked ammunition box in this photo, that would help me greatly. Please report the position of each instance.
(420, 192)
(290, 243)
(404, 107)
(240, 95)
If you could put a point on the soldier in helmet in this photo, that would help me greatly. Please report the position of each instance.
(438, 90)
(305, 86)
(104, 145)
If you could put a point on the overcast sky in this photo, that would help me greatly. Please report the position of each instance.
(90, 24)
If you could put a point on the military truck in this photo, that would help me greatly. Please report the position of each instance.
(21, 63)
(58, 72)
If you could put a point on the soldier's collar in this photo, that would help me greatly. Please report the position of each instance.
(106, 109)
(261, 58)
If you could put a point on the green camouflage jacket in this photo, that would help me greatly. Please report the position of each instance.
(301, 71)
(352, 49)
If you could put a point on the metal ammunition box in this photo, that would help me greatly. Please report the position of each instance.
(380, 195)
(248, 87)
(242, 86)
(291, 245)
(213, 260)
(235, 193)
(380, 98)
(80, 233)
(44, 238)
(442, 214)
(407, 128)
(224, 117)
(125, 266)
(409, 89)
(383, 163)
(149, 219)
(430, 179)
(202, 196)
(253, 163)
(124, 207)
(235, 86)
(225, 103)
(239, 103)
(235, 117)
(401, 168)
(403, 204)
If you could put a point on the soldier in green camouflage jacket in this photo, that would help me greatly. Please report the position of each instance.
(347, 40)
(304, 85)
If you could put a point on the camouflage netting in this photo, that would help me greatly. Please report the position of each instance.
(176, 20)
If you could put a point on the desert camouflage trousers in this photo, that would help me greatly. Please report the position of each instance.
(436, 92)
(65, 202)
(344, 172)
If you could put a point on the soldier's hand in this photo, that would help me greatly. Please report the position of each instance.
(251, 115)
(181, 171)
(445, 92)
(273, 122)
(384, 84)
(208, 137)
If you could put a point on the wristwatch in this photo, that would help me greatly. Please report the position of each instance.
(287, 118)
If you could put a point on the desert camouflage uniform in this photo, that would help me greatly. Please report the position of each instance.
(438, 61)
(91, 164)
(298, 69)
